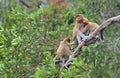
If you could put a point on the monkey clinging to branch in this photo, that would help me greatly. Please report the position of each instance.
(83, 29)
(63, 51)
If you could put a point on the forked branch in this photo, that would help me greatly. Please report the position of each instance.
(102, 26)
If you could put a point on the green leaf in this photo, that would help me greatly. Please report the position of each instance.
(16, 41)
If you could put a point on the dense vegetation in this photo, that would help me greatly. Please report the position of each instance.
(28, 34)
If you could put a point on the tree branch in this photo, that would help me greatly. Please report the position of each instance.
(102, 26)
(25, 3)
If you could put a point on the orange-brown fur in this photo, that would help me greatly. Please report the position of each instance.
(63, 52)
(64, 48)
(82, 24)
(79, 20)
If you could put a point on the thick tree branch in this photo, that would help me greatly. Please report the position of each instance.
(102, 26)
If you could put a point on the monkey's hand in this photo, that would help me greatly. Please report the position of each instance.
(86, 38)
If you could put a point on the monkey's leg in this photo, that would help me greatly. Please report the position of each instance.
(81, 36)
(55, 58)
(99, 36)
(63, 62)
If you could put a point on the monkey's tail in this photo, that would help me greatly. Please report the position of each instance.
(101, 35)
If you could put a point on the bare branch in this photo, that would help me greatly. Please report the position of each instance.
(25, 3)
(102, 26)
(107, 23)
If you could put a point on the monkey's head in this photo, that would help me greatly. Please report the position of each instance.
(79, 18)
(66, 40)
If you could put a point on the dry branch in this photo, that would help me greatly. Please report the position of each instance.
(102, 26)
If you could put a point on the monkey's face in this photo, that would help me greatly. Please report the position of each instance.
(67, 40)
(79, 18)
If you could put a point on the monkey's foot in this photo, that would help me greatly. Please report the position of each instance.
(86, 38)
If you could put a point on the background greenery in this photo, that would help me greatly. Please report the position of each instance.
(28, 34)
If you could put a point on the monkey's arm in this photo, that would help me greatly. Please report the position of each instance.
(85, 29)
(81, 35)
(55, 58)
(74, 36)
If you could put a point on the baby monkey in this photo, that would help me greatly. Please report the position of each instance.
(63, 51)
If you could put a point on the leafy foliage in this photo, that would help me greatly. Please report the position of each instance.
(28, 34)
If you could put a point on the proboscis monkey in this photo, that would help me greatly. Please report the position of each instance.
(63, 51)
(83, 29)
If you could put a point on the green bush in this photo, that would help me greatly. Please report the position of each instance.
(26, 39)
